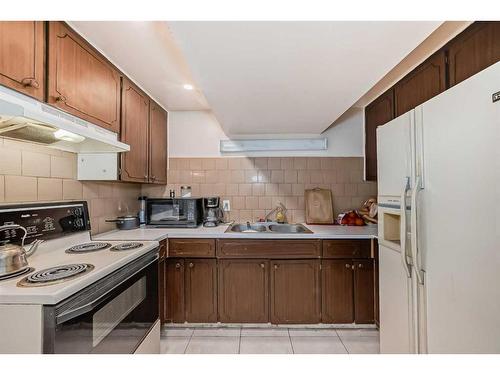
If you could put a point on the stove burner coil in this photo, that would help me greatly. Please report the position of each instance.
(55, 275)
(88, 247)
(17, 273)
(126, 246)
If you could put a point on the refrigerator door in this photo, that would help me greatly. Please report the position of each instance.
(458, 221)
(396, 323)
(395, 154)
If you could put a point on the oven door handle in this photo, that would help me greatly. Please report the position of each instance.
(80, 310)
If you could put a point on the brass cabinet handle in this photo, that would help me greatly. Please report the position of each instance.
(61, 98)
(30, 82)
(145, 176)
(191, 265)
(275, 266)
(360, 265)
(262, 265)
(347, 265)
(352, 267)
(177, 265)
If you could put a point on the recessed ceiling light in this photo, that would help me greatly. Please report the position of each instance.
(187, 86)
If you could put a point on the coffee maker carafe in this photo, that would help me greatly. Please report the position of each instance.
(213, 214)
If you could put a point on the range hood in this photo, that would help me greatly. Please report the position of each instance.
(25, 118)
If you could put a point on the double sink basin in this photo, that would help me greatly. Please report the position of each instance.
(268, 228)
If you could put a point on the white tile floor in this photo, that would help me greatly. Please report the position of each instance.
(268, 340)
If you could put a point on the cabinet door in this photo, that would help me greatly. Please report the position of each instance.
(377, 113)
(422, 84)
(201, 290)
(81, 81)
(473, 50)
(158, 155)
(376, 285)
(174, 291)
(363, 291)
(243, 291)
(295, 291)
(22, 49)
(337, 291)
(135, 126)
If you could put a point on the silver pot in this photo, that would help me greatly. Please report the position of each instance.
(13, 258)
(126, 222)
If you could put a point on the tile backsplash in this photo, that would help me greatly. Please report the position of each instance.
(254, 186)
(34, 173)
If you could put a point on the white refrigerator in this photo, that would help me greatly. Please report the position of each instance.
(439, 222)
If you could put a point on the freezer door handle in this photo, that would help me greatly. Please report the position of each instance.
(402, 228)
(413, 226)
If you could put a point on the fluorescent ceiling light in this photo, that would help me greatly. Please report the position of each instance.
(244, 145)
(187, 86)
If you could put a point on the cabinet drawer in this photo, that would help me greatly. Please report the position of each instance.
(346, 249)
(191, 248)
(276, 249)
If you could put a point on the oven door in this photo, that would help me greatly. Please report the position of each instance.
(165, 212)
(110, 316)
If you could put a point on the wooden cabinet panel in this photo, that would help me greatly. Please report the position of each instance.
(80, 80)
(201, 290)
(363, 291)
(337, 291)
(243, 291)
(346, 249)
(277, 249)
(162, 280)
(174, 291)
(422, 84)
(196, 248)
(473, 50)
(376, 306)
(158, 155)
(134, 132)
(22, 51)
(295, 291)
(377, 113)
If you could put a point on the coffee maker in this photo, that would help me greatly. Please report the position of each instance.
(213, 214)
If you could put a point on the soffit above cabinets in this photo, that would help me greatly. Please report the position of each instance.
(146, 52)
(291, 77)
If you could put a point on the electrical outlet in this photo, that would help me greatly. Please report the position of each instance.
(226, 206)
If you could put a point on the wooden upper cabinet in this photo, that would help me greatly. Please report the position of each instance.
(22, 51)
(134, 132)
(158, 143)
(377, 113)
(422, 84)
(80, 80)
(243, 291)
(295, 291)
(473, 50)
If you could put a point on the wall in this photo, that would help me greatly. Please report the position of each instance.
(33, 173)
(197, 134)
(255, 185)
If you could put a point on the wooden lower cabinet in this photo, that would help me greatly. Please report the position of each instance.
(295, 291)
(243, 291)
(201, 290)
(364, 309)
(337, 291)
(174, 291)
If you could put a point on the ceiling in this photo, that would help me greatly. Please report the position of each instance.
(291, 77)
(258, 77)
(146, 53)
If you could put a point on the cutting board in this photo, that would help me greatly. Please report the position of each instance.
(319, 206)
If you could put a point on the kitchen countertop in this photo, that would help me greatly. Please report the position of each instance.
(158, 234)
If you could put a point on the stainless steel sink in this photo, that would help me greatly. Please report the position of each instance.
(288, 228)
(268, 228)
(247, 228)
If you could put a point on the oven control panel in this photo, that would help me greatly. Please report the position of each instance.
(44, 221)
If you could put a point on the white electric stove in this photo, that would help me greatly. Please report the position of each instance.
(78, 295)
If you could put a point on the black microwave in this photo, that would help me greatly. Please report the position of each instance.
(174, 212)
